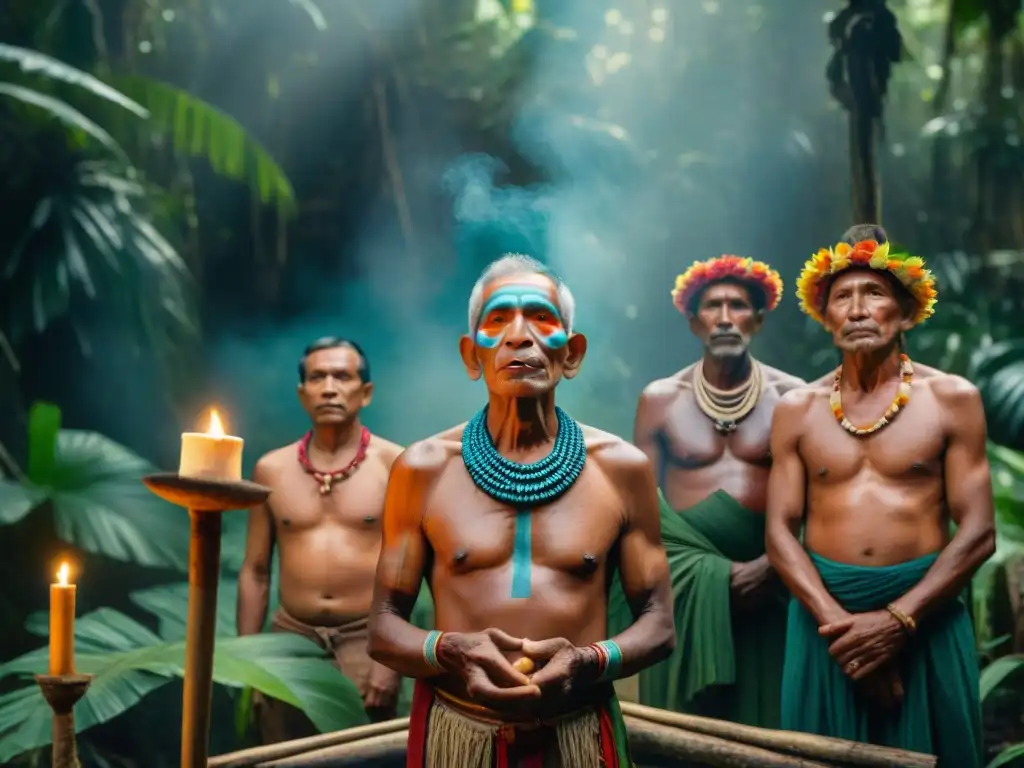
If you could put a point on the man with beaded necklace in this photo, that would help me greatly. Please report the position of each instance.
(324, 519)
(517, 521)
(706, 431)
(875, 461)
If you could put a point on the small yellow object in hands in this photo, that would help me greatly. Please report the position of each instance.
(524, 664)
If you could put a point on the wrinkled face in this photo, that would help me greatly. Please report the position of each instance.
(863, 311)
(521, 346)
(726, 319)
(333, 391)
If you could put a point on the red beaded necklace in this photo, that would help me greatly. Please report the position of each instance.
(326, 478)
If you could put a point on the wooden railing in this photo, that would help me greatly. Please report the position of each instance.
(654, 734)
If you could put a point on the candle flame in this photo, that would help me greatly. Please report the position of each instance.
(216, 429)
(62, 574)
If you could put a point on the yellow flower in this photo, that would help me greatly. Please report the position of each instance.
(909, 270)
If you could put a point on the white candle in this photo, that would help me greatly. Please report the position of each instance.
(211, 455)
(62, 624)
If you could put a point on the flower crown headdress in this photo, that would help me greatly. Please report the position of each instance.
(812, 285)
(703, 273)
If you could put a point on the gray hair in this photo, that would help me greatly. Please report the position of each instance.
(519, 264)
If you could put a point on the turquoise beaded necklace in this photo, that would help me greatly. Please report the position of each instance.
(523, 485)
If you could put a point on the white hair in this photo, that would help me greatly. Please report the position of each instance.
(519, 264)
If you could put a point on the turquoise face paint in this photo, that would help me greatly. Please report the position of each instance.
(522, 554)
(533, 303)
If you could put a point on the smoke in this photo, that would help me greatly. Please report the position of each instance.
(659, 139)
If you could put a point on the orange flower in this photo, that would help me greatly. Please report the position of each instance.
(910, 270)
(703, 273)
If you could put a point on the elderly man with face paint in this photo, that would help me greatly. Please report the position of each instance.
(517, 520)
(875, 462)
(706, 430)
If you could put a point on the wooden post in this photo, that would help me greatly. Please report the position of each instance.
(62, 692)
(203, 578)
(205, 501)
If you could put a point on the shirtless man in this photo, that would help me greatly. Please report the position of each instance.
(875, 461)
(324, 517)
(706, 431)
(517, 520)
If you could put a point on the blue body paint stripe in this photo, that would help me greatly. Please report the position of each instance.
(522, 555)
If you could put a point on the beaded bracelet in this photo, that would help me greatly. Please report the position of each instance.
(609, 660)
(909, 625)
(430, 649)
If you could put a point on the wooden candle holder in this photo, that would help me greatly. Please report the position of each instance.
(205, 500)
(62, 692)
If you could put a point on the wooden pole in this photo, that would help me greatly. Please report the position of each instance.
(666, 742)
(203, 577)
(391, 745)
(807, 745)
(205, 501)
(247, 758)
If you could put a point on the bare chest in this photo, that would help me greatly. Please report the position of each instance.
(690, 440)
(468, 531)
(912, 446)
(298, 503)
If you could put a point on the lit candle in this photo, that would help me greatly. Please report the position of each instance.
(211, 455)
(62, 624)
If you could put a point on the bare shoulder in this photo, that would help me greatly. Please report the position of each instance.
(944, 385)
(780, 381)
(663, 391)
(796, 401)
(615, 455)
(270, 464)
(429, 457)
(954, 393)
(387, 450)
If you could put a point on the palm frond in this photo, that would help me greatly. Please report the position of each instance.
(199, 129)
(63, 112)
(34, 62)
(87, 235)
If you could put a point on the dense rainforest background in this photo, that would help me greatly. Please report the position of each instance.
(192, 190)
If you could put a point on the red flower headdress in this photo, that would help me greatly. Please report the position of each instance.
(702, 273)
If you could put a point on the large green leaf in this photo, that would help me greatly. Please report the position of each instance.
(34, 62)
(999, 672)
(94, 489)
(128, 662)
(998, 370)
(17, 500)
(169, 603)
(199, 129)
(1008, 757)
(101, 505)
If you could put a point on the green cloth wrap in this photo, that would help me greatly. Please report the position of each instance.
(941, 710)
(720, 667)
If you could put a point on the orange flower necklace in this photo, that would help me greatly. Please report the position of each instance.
(901, 399)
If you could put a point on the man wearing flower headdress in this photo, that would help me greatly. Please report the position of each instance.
(875, 463)
(517, 519)
(706, 430)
